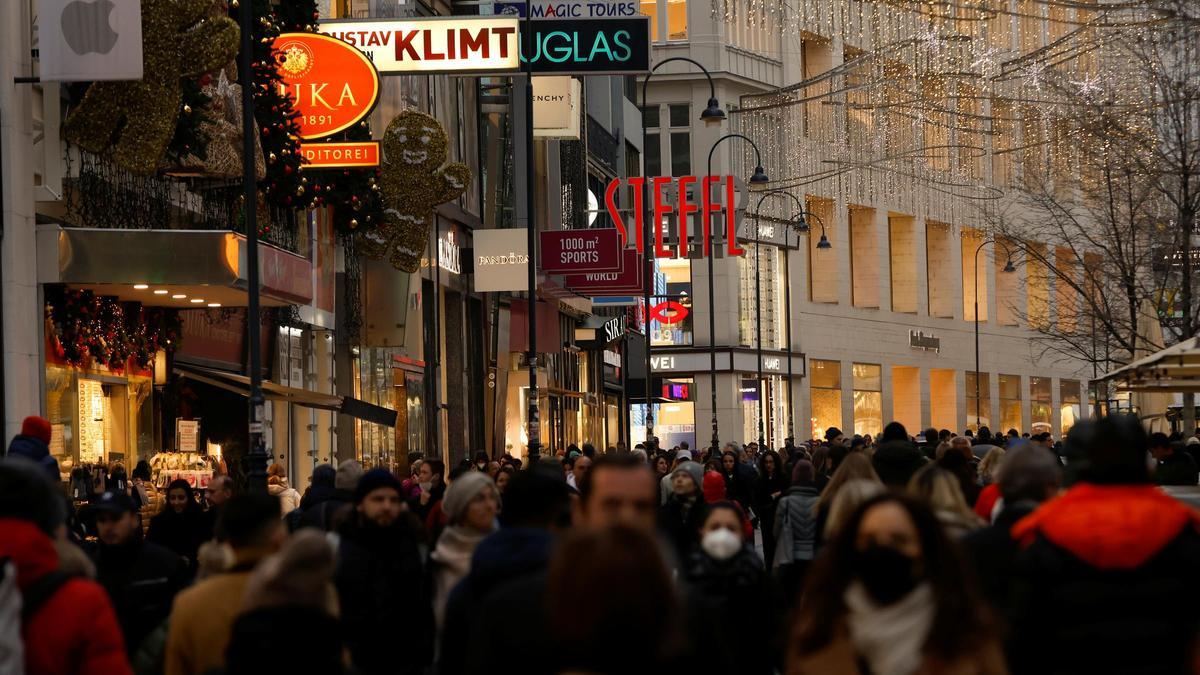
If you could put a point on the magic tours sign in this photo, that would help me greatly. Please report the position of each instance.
(497, 44)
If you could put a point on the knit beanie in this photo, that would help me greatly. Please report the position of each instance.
(374, 480)
(37, 427)
(693, 469)
(714, 487)
(803, 474)
(26, 493)
(460, 493)
(349, 473)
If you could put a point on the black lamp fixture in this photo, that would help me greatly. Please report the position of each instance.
(1008, 266)
(759, 176)
(713, 113)
(823, 243)
(800, 226)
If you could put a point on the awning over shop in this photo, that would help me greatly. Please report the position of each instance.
(240, 384)
(185, 269)
(1175, 369)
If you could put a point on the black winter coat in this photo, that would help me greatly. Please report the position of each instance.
(1106, 583)
(896, 462)
(680, 524)
(992, 554)
(141, 580)
(722, 597)
(385, 598)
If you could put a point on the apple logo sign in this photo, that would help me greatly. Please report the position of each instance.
(86, 28)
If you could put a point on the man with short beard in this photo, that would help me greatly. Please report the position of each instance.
(381, 581)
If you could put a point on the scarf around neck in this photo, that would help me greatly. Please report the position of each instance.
(455, 547)
(890, 638)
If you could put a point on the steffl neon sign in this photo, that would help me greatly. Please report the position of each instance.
(661, 190)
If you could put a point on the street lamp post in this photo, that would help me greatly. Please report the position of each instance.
(1008, 267)
(712, 115)
(801, 227)
(758, 178)
(256, 455)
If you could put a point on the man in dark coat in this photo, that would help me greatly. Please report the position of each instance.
(33, 443)
(141, 578)
(1028, 477)
(896, 459)
(1108, 569)
(382, 583)
(536, 507)
(1175, 465)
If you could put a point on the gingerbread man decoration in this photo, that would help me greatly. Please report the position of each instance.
(136, 119)
(413, 182)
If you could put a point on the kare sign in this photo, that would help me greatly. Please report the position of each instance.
(332, 85)
(668, 197)
(579, 251)
(444, 44)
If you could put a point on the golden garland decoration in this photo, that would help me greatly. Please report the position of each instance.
(413, 182)
(180, 39)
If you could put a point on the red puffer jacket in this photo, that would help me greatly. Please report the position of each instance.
(75, 632)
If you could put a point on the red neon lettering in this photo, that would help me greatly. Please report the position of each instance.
(478, 43)
(404, 44)
(639, 208)
(686, 209)
(660, 209)
(503, 33)
(706, 209)
(730, 218)
(431, 55)
(610, 200)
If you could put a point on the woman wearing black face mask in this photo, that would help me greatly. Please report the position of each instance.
(892, 597)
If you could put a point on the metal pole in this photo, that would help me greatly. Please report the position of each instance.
(534, 414)
(787, 328)
(758, 330)
(256, 456)
(977, 250)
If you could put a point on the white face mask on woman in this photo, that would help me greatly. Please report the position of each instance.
(721, 544)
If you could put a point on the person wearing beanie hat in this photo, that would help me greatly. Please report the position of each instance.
(796, 529)
(348, 474)
(71, 626)
(471, 504)
(681, 516)
(714, 487)
(33, 443)
(382, 583)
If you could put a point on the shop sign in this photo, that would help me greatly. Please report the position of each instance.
(556, 107)
(612, 358)
(588, 46)
(187, 433)
(442, 44)
(332, 85)
(88, 41)
(595, 284)
(614, 329)
(571, 9)
(668, 312)
(340, 155)
(669, 197)
(449, 254)
(501, 260)
(580, 251)
(919, 340)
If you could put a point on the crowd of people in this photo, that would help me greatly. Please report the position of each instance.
(899, 555)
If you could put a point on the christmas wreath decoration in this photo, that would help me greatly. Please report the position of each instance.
(86, 329)
(137, 119)
(413, 182)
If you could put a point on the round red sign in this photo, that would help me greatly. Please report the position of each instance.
(332, 84)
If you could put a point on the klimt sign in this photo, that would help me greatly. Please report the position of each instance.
(451, 44)
(332, 84)
(579, 251)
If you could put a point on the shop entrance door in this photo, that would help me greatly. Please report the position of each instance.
(103, 420)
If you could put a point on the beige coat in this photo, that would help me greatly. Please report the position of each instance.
(201, 620)
(838, 658)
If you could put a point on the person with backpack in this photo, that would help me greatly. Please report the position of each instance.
(68, 624)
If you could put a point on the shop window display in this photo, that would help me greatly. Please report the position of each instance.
(981, 415)
(1039, 403)
(1010, 403)
(826, 395)
(868, 399)
(1069, 404)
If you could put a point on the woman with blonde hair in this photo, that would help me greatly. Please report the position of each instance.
(277, 486)
(852, 493)
(940, 489)
(856, 466)
(989, 466)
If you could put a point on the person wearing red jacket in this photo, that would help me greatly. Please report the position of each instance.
(73, 629)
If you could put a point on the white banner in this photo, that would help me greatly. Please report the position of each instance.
(85, 40)
(556, 107)
(501, 260)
